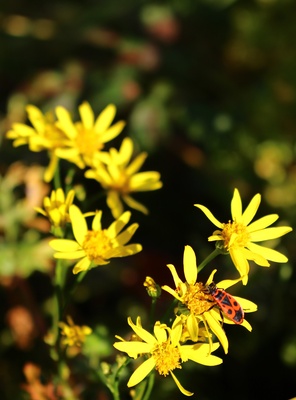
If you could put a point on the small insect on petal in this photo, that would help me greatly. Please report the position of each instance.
(227, 303)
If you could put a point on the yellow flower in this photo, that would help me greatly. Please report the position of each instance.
(199, 304)
(74, 334)
(88, 137)
(56, 207)
(164, 351)
(119, 176)
(238, 235)
(96, 246)
(43, 135)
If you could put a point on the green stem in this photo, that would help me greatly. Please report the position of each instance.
(69, 179)
(56, 177)
(59, 282)
(58, 285)
(152, 311)
(209, 258)
(167, 316)
(79, 278)
(115, 386)
(149, 387)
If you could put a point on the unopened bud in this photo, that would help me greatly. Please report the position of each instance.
(153, 289)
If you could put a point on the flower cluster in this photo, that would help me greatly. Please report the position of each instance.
(193, 327)
(203, 307)
(82, 144)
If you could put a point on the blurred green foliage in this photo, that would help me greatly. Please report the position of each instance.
(207, 87)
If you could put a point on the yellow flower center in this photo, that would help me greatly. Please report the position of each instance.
(197, 300)
(235, 235)
(122, 183)
(88, 141)
(96, 244)
(167, 357)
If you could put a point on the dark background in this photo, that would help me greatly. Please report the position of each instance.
(207, 88)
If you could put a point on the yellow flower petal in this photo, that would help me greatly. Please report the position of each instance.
(226, 283)
(72, 255)
(269, 233)
(209, 215)
(142, 333)
(136, 164)
(262, 223)
(159, 332)
(96, 224)
(51, 168)
(79, 224)
(142, 181)
(236, 206)
(124, 251)
(180, 387)
(36, 117)
(175, 275)
(246, 325)
(192, 327)
(141, 372)
(211, 277)
(114, 203)
(136, 205)
(268, 254)
(82, 265)
(251, 210)
(65, 122)
(133, 348)
(112, 132)
(119, 224)
(171, 291)
(190, 267)
(125, 153)
(176, 331)
(217, 329)
(87, 115)
(126, 235)
(64, 245)
(105, 118)
(199, 353)
(239, 260)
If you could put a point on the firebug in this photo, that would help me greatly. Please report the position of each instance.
(227, 303)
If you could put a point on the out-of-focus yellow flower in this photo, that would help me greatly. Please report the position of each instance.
(79, 142)
(238, 235)
(96, 246)
(74, 335)
(43, 135)
(199, 303)
(119, 176)
(164, 352)
(56, 207)
(88, 137)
